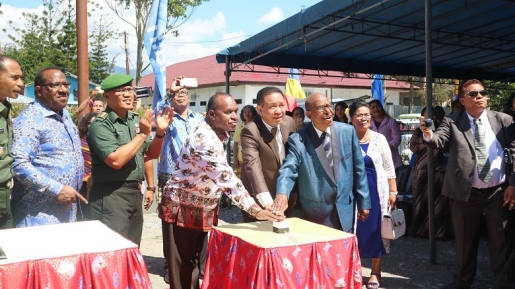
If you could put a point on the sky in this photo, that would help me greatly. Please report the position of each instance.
(213, 26)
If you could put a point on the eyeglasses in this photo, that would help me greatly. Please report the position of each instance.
(124, 90)
(322, 108)
(363, 116)
(56, 85)
(182, 93)
(474, 93)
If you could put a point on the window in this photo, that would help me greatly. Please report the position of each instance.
(238, 101)
(203, 103)
(254, 101)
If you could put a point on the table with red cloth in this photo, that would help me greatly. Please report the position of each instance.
(73, 255)
(310, 256)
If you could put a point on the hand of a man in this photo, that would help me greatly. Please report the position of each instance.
(149, 199)
(164, 119)
(421, 124)
(176, 84)
(509, 197)
(280, 204)
(145, 122)
(362, 215)
(69, 195)
(268, 216)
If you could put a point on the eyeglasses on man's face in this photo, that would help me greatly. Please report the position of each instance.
(322, 108)
(182, 93)
(124, 90)
(474, 93)
(56, 85)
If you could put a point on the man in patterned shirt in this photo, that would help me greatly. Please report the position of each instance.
(48, 164)
(184, 122)
(191, 196)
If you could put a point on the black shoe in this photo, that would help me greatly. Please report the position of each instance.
(166, 278)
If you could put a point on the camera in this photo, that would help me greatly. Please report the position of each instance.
(429, 123)
(142, 92)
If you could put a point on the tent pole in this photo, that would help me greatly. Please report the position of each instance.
(227, 90)
(429, 111)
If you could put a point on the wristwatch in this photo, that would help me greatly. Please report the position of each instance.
(153, 189)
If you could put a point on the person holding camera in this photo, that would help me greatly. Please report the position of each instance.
(476, 179)
(184, 122)
(118, 140)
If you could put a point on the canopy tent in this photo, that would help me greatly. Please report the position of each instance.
(470, 39)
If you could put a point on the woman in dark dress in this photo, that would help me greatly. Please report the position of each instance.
(382, 186)
(420, 225)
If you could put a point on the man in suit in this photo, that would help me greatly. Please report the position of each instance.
(475, 178)
(326, 158)
(263, 150)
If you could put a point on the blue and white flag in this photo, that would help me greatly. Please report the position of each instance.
(377, 88)
(153, 40)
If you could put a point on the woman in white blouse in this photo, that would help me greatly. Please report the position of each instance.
(382, 186)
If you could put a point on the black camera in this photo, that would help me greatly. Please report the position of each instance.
(145, 91)
(429, 123)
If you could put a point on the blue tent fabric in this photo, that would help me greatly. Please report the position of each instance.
(471, 39)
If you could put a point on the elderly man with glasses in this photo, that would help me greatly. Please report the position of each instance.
(48, 164)
(118, 140)
(326, 159)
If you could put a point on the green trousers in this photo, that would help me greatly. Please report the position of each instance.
(6, 218)
(119, 206)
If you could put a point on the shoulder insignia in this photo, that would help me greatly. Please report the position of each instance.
(103, 115)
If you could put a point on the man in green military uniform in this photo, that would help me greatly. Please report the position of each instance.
(118, 139)
(11, 84)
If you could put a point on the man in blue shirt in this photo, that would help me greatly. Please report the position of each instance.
(184, 122)
(48, 164)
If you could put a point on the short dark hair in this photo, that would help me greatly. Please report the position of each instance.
(355, 105)
(466, 83)
(83, 124)
(98, 98)
(297, 108)
(38, 80)
(212, 103)
(252, 109)
(266, 91)
(3, 59)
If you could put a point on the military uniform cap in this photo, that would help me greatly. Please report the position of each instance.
(116, 80)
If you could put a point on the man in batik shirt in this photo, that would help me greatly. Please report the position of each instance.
(48, 164)
(191, 196)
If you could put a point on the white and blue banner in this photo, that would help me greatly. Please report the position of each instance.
(377, 88)
(154, 44)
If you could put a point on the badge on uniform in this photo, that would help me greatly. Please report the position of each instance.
(1, 151)
(10, 184)
(137, 128)
(2, 130)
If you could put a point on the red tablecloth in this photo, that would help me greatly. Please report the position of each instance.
(76, 255)
(310, 256)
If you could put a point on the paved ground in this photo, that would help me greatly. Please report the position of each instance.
(407, 266)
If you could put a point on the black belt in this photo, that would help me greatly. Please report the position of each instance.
(133, 184)
(485, 191)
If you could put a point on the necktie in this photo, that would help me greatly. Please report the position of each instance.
(326, 145)
(281, 152)
(482, 162)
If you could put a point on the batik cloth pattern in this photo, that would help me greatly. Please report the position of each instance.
(47, 155)
(201, 176)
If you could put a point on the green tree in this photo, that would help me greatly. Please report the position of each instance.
(48, 38)
(99, 65)
(179, 12)
(498, 94)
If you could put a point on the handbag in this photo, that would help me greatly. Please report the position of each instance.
(393, 225)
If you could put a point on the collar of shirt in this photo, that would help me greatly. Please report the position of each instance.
(319, 132)
(483, 119)
(269, 127)
(222, 135)
(113, 116)
(47, 111)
